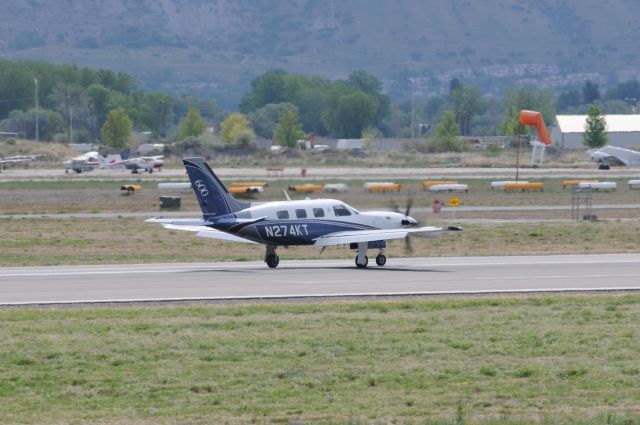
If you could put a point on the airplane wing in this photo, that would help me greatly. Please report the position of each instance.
(341, 238)
(198, 226)
(614, 155)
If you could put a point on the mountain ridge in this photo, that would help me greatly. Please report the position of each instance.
(217, 47)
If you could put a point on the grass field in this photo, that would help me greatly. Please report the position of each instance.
(32, 242)
(555, 360)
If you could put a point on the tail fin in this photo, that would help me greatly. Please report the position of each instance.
(106, 161)
(124, 154)
(214, 199)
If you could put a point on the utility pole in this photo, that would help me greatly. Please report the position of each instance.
(37, 129)
(413, 108)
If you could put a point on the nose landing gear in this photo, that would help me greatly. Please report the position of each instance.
(381, 259)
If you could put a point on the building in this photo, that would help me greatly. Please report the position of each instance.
(623, 130)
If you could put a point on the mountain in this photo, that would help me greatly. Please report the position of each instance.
(216, 47)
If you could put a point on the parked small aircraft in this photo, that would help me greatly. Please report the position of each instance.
(85, 162)
(144, 163)
(317, 222)
(609, 156)
(15, 159)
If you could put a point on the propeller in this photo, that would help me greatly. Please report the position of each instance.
(407, 210)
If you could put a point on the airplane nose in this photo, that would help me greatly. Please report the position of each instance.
(409, 221)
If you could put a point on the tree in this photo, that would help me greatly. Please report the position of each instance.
(264, 120)
(232, 126)
(467, 102)
(268, 88)
(116, 130)
(49, 123)
(349, 112)
(370, 85)
(515, 100)
(590, 92)
(288, 130)
(595, 129)
(99, 96)
(569, 99)
(446, 138)
(193, 125)
(155, 112)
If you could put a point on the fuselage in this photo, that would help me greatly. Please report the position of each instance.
(301, 222)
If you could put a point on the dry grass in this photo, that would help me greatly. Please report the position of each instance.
(51, 152)
(130, 240)
(75, 196)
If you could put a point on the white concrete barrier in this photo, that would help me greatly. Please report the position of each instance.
(174, 185)
(336, 187)
(598, 185)
(449, 187)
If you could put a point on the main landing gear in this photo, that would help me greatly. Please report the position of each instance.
(362, 260)
(270, 257)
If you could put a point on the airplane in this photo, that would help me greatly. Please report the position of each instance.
(85, 162)
(609, 156)
(317, 222)
(144, 163)
(15, 159)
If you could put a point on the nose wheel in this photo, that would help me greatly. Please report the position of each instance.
(381, 259)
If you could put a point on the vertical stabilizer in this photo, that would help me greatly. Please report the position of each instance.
(214, 199)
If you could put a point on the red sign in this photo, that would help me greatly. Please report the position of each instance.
(437, 206)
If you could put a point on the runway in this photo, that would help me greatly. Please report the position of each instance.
(317, 278)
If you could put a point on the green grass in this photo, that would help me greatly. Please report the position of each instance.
(511, 360)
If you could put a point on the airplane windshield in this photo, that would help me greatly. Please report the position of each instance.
(341, 211)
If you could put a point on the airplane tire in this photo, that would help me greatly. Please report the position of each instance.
(150, 170)
(381, 260)
(273, 261)
(362, 266)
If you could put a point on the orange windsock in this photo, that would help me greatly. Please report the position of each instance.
(535, 118)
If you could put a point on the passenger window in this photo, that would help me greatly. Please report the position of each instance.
(301, 213)
(318, 212)
(341, 210)
(283, 215)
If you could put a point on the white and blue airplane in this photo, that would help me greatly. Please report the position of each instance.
(317, 222)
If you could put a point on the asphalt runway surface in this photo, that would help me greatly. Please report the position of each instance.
(318, 278)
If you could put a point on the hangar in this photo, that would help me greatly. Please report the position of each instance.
(623, 130)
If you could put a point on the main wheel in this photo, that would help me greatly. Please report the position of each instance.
(381, 260)
(273, 260)
(362, 266)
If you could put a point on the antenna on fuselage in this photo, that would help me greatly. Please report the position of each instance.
(286, 195)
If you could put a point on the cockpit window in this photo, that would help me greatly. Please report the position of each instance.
(283, 215)
(341, 211)
(301, 213)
